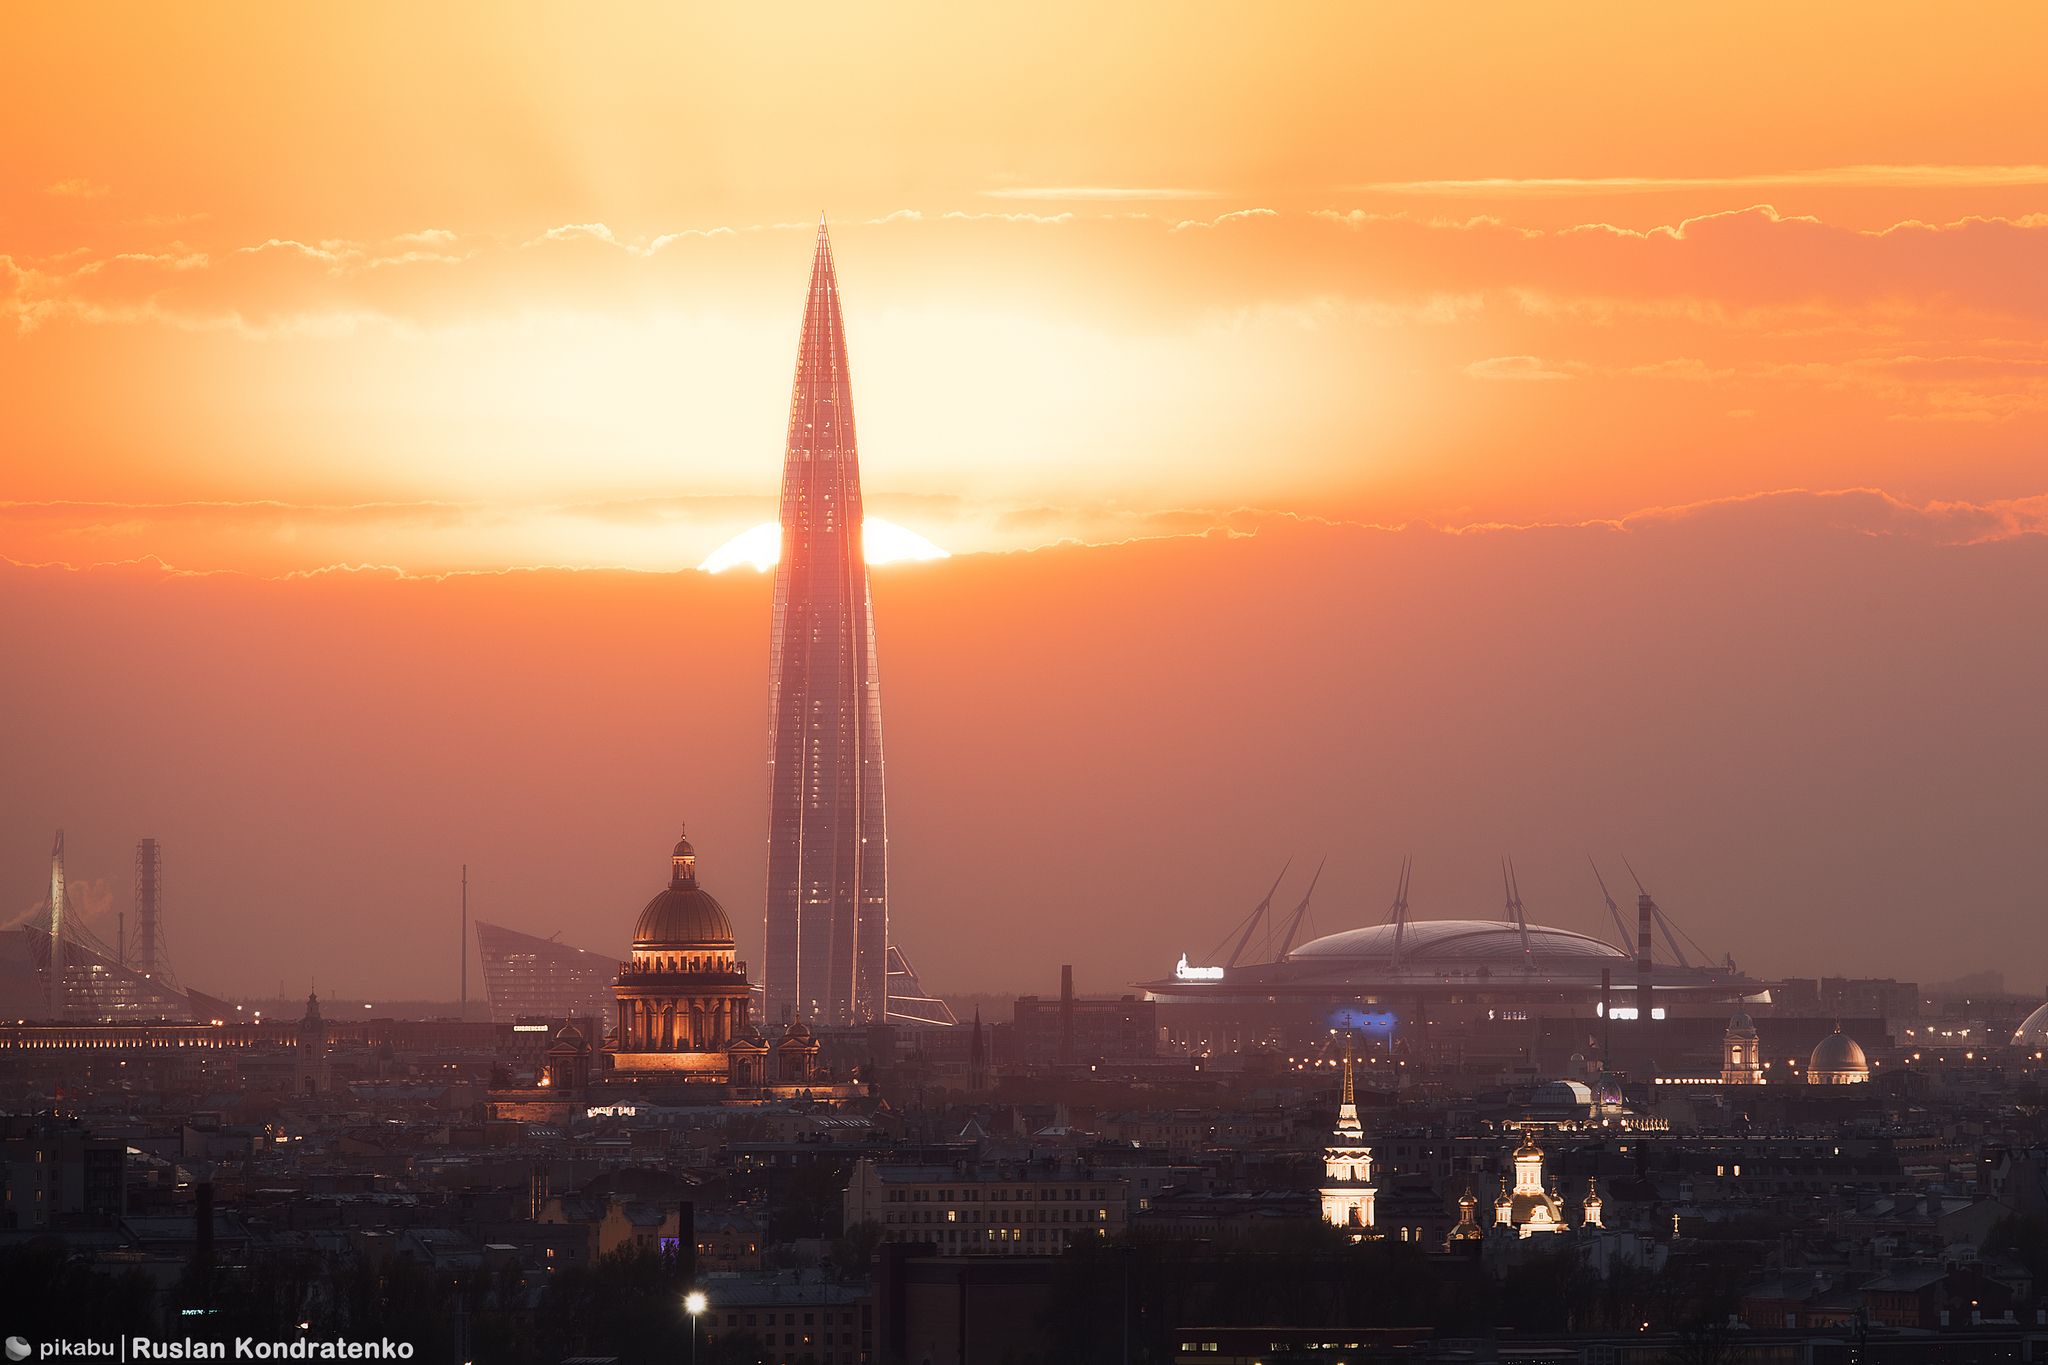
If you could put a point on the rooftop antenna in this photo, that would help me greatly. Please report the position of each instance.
(1512, 887)
(1260, 912)
(1612, 909)
(1400, 914)
(1663, 925)
(1300, 910)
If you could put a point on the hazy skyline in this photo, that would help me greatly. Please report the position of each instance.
(1458, 433)
(1810, 723)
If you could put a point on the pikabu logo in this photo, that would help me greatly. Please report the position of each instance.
(18, 1349)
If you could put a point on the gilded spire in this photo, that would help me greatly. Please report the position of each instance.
(1349, 1102)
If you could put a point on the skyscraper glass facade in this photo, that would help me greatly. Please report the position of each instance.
(828, 903)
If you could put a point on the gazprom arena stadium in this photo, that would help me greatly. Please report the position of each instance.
(1404, 978)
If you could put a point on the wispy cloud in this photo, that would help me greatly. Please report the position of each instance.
(1513, 367)
(1033, 527)
(1098, 192)
(1221, 219)
(1013, 217)
(1844, 177)
(77, 189)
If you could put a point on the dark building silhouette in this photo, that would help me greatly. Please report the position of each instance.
(309, 1064)
(1070, 1030)
(828, 906)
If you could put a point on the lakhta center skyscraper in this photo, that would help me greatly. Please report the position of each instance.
(828, 878)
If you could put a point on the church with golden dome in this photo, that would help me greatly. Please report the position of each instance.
(681, 1017)
(682, 998)
(1529, 1208)
(1837, 1061)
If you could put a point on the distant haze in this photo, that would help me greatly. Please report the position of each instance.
(1813, 724)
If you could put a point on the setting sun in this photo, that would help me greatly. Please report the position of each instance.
(761, 546)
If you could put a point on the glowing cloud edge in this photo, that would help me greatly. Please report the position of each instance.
(761, 546)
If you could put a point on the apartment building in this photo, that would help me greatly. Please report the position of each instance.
(1033, 1208)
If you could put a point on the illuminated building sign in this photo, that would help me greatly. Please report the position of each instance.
(529, 1028)
(1629, 1012)
(1182, 971)
(1372, 1021)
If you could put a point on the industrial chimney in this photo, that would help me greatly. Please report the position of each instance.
(1645, 907)
(1066, 1055)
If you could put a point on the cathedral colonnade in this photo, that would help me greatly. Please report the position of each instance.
(680, 1023)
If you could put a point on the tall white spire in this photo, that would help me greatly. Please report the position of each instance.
(1347, 1112)
(1348, 1190)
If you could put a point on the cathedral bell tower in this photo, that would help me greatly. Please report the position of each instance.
(1347, 1188)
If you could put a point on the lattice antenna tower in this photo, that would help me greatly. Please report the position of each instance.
(151, 959)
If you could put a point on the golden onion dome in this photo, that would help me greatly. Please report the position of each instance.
(684, 916)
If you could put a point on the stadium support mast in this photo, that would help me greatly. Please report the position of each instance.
(1620, 929)
(1401, 908)
(462, 945)
(1259, 912)
(1294, 925)
(1512, 885)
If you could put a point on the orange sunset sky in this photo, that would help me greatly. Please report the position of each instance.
(1458, 430)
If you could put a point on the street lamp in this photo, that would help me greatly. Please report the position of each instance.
(694, 1303)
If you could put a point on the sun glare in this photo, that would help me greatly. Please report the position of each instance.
(762, 546)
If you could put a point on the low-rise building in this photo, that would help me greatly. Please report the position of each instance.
(990, 1209)
(727, 1241)
(791, 1315)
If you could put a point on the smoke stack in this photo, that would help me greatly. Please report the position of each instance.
(1644, 908)
(1066, 1016)
(686, 1243)
(1607, 1019)
(205, 1220)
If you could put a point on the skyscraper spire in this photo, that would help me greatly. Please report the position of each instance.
(828, 913)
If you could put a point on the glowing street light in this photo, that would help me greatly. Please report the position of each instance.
(694, 1303)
